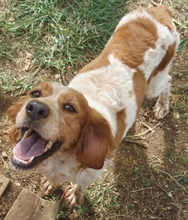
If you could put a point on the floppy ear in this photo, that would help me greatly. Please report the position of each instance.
(14, 134)
(15, 108)
(96, 141)
(12, 112)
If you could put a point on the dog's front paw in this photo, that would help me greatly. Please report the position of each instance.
(73, 196)
(46, 187)
(160, 110)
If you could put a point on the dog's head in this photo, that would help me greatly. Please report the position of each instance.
(53, 118)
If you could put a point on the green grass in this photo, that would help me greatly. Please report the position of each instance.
(63, 35)
(182, 26)
(183, 45)
(21, 84)
(102, 197)
(180, 100)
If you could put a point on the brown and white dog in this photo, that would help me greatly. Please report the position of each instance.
(70, 133)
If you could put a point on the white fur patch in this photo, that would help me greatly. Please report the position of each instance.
(107, 90)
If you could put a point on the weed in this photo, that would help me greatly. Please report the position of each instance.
(180, 101)
(185, 160)
(183, 45)
(183, 27)
(61, 215)
(140, 173)
(52, 198)
(146, 182)
(184, 201)
(172, 157)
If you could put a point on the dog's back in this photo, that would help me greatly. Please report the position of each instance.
(134, 62)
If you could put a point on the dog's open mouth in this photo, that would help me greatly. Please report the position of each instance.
(32, 149)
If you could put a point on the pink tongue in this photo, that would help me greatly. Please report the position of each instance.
(32, 146)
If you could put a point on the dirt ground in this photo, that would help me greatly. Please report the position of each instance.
(151, 179)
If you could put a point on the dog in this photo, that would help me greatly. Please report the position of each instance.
(70, 133)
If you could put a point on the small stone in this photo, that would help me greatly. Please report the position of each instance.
(178, 132)
(170, 195)
(73, 215)
(4, 155)
(56, 76)
(17, 184)
(161, 214)
(176, 115)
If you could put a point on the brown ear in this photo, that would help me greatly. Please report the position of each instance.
(12, 112)
(15, 108)
(96, 142)
(14, 134)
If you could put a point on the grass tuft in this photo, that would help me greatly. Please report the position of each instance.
(21, 84)
(62, 33)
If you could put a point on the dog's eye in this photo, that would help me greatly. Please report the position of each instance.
(69, 108)
(35, 94)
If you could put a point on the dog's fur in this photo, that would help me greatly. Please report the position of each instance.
(88, 119)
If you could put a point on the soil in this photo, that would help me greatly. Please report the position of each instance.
(151, 177)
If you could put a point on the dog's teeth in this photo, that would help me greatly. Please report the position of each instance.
(48, 146)
(27, 133)
(31, 159)
(24, 161)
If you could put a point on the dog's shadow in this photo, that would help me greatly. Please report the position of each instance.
(145, 179)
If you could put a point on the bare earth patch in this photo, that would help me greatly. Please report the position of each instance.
(149, 179)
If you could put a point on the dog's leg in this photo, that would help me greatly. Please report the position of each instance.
(161, 108)
(47, 186)
(74, 194)
(159, 86)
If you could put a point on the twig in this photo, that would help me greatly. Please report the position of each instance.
(147, 131)
(64, 79)
(138, 190)
(142, 144)
(5, 163)
(156, 4)
(63, 195)
(136, 132)
(116, 216)
(181, 25)
(154, 182)
(174, 180)
(107, 174)
(133, 139)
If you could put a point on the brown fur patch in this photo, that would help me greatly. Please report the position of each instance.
(133, 39)
(139, 83)
(45, 89)
(129, 44)
(96, 141)
(163, 15)
(14, 134)
(14, 109)
(120, 126)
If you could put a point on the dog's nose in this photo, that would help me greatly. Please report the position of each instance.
(37, 110)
